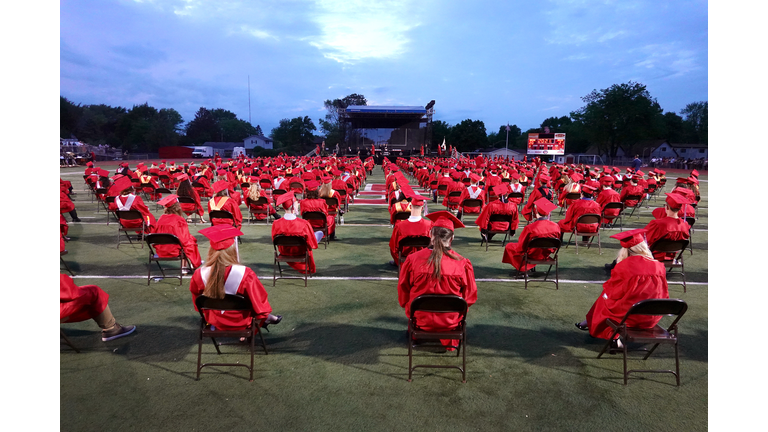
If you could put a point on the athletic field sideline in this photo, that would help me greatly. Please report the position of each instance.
(338, 360)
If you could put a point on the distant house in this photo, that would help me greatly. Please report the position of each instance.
(678, 150)
(258, 140)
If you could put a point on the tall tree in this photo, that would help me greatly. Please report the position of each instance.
(204, 127)
(557, 124)
(332, 126)
(258, 131)
(440, 131)
(469, 135)
(620, 115)
(294, 136)
(69, 116)
(695, 115)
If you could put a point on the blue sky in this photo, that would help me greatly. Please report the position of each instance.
(495, 61)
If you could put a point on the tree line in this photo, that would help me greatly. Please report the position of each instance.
(618, 116)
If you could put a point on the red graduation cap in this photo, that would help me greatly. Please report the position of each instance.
(169, 200)
(181, 177)
(220, 186)
(676, 200)
(119, 186)
(606, 180)
(445, 219)
(630, 238)
(312, 184)
(501, 189)
(286, 198)
(221, 236)
(695, 173)
(588, 189)
(544, 206)
(474, 178)
(102, 172)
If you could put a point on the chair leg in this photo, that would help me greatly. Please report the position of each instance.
(625, 361)
(68, 342)
(199, 350)
(410, 354)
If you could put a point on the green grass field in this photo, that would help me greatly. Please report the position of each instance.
(338, 361)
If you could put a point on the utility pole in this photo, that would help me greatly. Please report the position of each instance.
(249, 100)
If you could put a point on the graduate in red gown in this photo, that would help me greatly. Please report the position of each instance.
(81, 303)
(291, 225)
(126, 200)
(173, 222)
(222, 201)
(472, 191)
(632, 189)
(313, 203)
(541, 227)
(437, 270)
(636, 277)
(578, 208)
(254, 193)
(498, 206)
(541, 190)
(608, 195)
(414, 226)
(670, 227)
(223, 274)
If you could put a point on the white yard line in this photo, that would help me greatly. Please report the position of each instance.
(366, 278)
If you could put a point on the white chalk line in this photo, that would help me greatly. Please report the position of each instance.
(371, 278)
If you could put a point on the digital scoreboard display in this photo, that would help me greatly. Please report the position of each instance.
(546, 143)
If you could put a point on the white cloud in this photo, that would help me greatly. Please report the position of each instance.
(257, 33)
(353, 30)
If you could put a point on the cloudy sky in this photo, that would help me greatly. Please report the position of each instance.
(496, 61)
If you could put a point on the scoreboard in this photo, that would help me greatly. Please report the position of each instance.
(546, 143)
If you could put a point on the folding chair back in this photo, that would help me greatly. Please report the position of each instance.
(614, 206)
(228, 303)
(438, 303)
(498, 218)
(551, 259)
(442, 189)
(289, 241)
(586, 219)
(261, 201)
(470, 203)
(638, 198)
(321, 226)
(156, 239)
(221, 214)
(672, 246)
(130, 215)
(410, 242)
(333, 206)
(190, 200)
(569, 196)
(656, 335)
(455, 195)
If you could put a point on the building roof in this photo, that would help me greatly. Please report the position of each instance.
(265, 138)
(386, 109)
(681, 145)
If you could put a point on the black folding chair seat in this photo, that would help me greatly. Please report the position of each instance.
(164, 239)
(228, 303)
(656, 335)
(295, 241)
(543, 243)
(437, 303)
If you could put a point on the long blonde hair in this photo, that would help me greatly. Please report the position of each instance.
(638, 249)
(441, 245)
(254, 192)
(326, 190)
(219, 260)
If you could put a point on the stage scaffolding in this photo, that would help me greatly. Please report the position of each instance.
(401, 130)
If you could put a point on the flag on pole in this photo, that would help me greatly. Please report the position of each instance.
(443, 145)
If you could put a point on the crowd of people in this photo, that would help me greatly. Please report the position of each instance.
(500, 193)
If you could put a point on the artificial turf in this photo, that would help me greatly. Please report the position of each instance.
(338, 361)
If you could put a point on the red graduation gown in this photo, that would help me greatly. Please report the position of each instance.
(634, 279)
(513, 252)
(137, 204)
(80, 303)
(318, 205)
(249, 287)
(608, 196)
(404, 229)
(666, 228)
(458, 278)
(300, 228)
(578, 208)
(498, 207)
(176, 225)
(228, 204)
